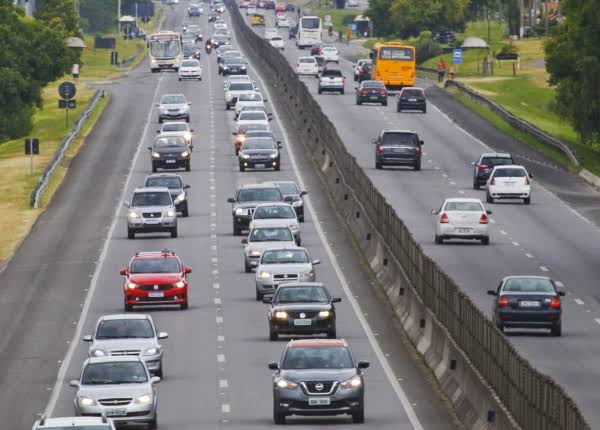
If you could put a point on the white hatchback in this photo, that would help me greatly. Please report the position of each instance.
(283, 22)
(247, 100)
(331, 54)
(277, 42)
(190, 69)
(509, 182)
(253, 117)
(461, 218)
(307, 66)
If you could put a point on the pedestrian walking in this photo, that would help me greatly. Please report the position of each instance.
(441, 70)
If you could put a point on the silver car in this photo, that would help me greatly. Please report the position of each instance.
(177, 128)
(278, 266)
(128, 334)
(276, 215)
(234, 89)
(173, 106)
(121, 388)
(261, 239)
(151, 210)
(74, 423)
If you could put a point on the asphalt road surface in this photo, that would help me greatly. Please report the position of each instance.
(66, 275)
(556, 236)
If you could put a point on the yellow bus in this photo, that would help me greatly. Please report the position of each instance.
(394, 64)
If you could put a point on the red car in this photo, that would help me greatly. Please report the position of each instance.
(155, 278)
(280, 8)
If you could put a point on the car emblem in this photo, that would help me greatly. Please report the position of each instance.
(302, 315)
(115, 402)
(155, 287)
(319, 387)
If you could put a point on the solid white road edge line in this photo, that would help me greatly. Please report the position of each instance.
(88, 299)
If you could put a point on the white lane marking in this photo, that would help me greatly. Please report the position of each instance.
(493, 221)
(94, 281)
(503, 232)
(543, 268)
(216, 286)
(528, 255)
(217, 300)
(579, 302)
(221, 358)
(225, 408)
(461, 192)
(410, 412)
(516, 243)
(220, 338)
(223, 383)
(452, 183)
(219, 320)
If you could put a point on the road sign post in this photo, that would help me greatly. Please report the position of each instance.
(32, 146)
(457, 57)
(67, 91)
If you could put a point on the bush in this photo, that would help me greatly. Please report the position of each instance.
(509, 48)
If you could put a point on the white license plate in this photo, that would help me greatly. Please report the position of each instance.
(529, 304)
(412, 100)
(151, 221)
(464, 230)
(259, 166)
(319, 401)
(373, 97)
(156, 294)
(170, 161)
(398, 150)
(118, 412)
(302, 322)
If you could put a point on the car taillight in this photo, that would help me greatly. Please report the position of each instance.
(481, 167)
(360, 69)
(527, 180)
(383, 92)
(483, 219)
(344, 78)
(444, 219)
(380, 149)
(363, 91)
(555, 302)
(503, 301)
(418, 149)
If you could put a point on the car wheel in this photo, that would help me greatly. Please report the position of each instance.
(500, 326)
(199, 79)
(358, 417)
(298, 242)
(342, 92)
(242, 168)
(475, 184)
(527, 200)
(278, 417)
(160, 120)
(237, 151)
(247, 267)
(332, 334)
(174, 232)
(128, 308)
(188, 166)
(227, 107)
(130, 234)
(424, 110)
(179, 79)
(236, 230)
(187, 118)
(439, 240)
(154, 168)
(398, 108)
(320, 92)
(384, 103)
(358, 102)
(417, 165)
(378, 166)
(485, 241)
(489, 198)
(152, 425)
(259, 296)
(278, 167)
(184, 306)
(185, 211)
(556, 330)
(273, 334)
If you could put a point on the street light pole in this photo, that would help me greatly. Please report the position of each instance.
(119, 16)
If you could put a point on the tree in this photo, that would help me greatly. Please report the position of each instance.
(573, 62)
(59, 15)
(380, 17)
(98, 17)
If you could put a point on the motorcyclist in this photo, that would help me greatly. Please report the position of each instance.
(208, 46)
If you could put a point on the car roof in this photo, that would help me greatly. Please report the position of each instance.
(113, 317)
(273, 204)
(397, 131)
(412, 88)
(298, 284)
(164, 175)
(262, 185)
(150, 190)
(316, 343)
(114, 359)
(463, 199)
(165, 253)
(510, 166)
(71, 422)
(174, 94)
(496, 154)
(506, 278)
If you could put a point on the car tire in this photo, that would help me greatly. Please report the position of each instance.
(485, 240)
(439, 240)
(342, 92)
(188, 166)
(247, 267)
(556, 331)
(154, 168)
(130, 234)
(236, 230)
(417, 166)
(187, 118)
(242, 168)
(199, 79)
(278, 167)
(489, 198)
(320, 91)
(398, 109)
(359, 416)
(358, 102)
(185, 211)
(384, 103)
(174, 232)
(237, 152)
(258, 295)
(160, 120)
(278, 417)
(424, 110)
(527, 200)
(332, 334)
(128, 308)
(153, 425)
(160, 372)
(476, 184)
(378, 166)
(500, 326)
(227, 107)
(179, 79)
(298, 242)
(273, 334)
(184, 306)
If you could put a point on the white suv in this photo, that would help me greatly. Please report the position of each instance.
(331, 80)
(509, 182)
(307, 66)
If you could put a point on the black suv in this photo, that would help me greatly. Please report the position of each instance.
(318, 377)
(260, 153)
(398, 148)
(245, 201)
(411, 98)
(177, 189)
(484, 166)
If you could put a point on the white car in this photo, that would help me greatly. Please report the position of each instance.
(271, 32)
(261, 239)
(307, 66)
(234, 89)
(509, 182)
(247, 100)
(253, 117)
(177, 128)
(251, 10)
(461, 218)
(220, 26)
(190, 69)
(283, 22)
(74, 423)
(236, 78)
(331, 54)
(280, 15)
(277, 42)
(276, 214)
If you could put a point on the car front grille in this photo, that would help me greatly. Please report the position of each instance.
(159, 287)
(151, 214)
(115, 401)
(121, 352)
(327, 387)
(286, 277)
(307, 314)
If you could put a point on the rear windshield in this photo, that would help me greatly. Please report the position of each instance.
(274, 212)
(529, 285)
(173, 100)
(330, 72)
(232, 60)
(464, 206)
(248, 127)
(259, 195)
(174, 126)
(496, 161)
(400, 139)
(396, 54)
(306, 60)
(373, 84)
(190, 64)
(412, 93)
(510, 173)
(252, 116)
(323, 357)
(310, 23)
(259, 143)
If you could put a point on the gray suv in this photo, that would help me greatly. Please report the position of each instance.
(178, 191)
(151, 210)
(173, 106)
(120, 388)
(128, 334)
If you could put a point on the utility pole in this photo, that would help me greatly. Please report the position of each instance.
(119, 16)
(520, 19)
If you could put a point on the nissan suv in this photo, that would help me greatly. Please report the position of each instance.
(155, 278)
(173, 106)
(398, 148)
(331, 80)
(177, 189)
(318, 377)
(151, 210)
(245, 201)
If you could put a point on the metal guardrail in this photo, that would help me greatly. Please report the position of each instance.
(59, 155)
(535, 400)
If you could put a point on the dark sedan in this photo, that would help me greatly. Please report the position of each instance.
(371, 92)
(411, 98)
(290, 189)
(484, 166)
(398, 148)
(232, 66)
(315, 49)
(191, 52)
(260, 153)
(177, 189)
(528, 302)
(301, 308)
(318, 377)
(170, 152)
(212, 16)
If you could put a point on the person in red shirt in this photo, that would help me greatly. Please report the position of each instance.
(441, 70)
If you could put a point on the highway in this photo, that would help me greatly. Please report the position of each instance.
(556, 236)
(66, 275)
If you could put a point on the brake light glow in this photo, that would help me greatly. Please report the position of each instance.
(493, 181)
(380, 149)
(363, 91)
(418, 149)
(383, 92)
(482, 167)
(555, 302)
(483, 219)
(503, 301)
(444, 218)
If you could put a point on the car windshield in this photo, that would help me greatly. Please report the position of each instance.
(496, 161)
(250, 97)
(274, 212)
(510, 173)
(168, 48)
(396, 54)
(169, 141)
(126, 328)
(252, 116)
(232, 60)
(174, 126)
(288, 188)
(412, 93)
(271, 235)
(307, 60)
(219, 37)
(232, 53)
(188, 63)
(172, 182)
(300, 295)
(288, 256)
(330, 48)
(335, 73)
(528, 285)
(310, 23)
(173, 100)
(155, 265)
(373, 84)
(241, 86)
(259, 143)
(407, 139)
(81, 427)
(464, 206)
(259, 195)
(148, 198)
(322, 357)
(129, 372)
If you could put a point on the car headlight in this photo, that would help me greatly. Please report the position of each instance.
(243, 67)
(273, 155)
(187, 135)
(264, 275)
(185, 154)
(155, 155)
(133, 215)
(180, 198)
(324, 314)
(228, 96)
(297, 203)
(241, 211)
(282, 383)
(170, 213)
(225, 67)
(241, 138)
(144, 400)
(355, 382)
(281, 315)
(98, 353)
(254, 253)
(152, 351)
(86, 401)
(244, 156)
(131, 286)
(179, 284)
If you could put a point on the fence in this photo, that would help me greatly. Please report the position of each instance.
(534, 400)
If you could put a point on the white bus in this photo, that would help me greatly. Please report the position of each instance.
(309, 31)
(165, 51)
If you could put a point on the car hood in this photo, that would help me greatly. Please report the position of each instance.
(151, 208)
(115, 391)
(301, 307)
(122, 344)
(189, 69)
(238, 92)
(259, 151)
(339, 375)
(170, 149)
(276, 244)
(175, 106)
(253, 121)
(286, 268)
(154, 278)
(284, 222)
(236, 64)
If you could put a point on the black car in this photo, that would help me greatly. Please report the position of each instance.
(301, 308)
(484, 166)
(222, 50)
(290, 190)
(398, 148)
(411, 98)
(364, 72)
(318, 377)
(193, 11)
(191, 52)
(232, 66)
(321, 62)
(315, 49)
(245, 201)
(289, 7)
(219, 40)
(270, 5)
(212, 16)
(528, 302)
(260, 153)
(177, 189)
(170, 152)
(371, 92)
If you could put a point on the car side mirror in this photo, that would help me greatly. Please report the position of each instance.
(126, 204)
(562, 293)
(163, 335)
(487, 211)
(434, 212)
(187, 270)
(74, 383)
(123, 272)
(157, 131)
(155, 380)
(88, 338)
(230, 200)
(149, 148)
(492, 292)
(288, 199)
(279, 145)
(267, 300)
(315, 262)
(303, 193)
(189, 103)
(530, 176)
(265, 100)
(273, 365)
(421, 143)
(191, 130)
(336, 300)
(363, 364)
(473, 163)
(187, 187)
(244, 241)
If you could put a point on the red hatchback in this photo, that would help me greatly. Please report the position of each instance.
(280, 8)
(155, 278)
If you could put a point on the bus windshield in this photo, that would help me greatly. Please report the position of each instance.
(165, 48)
(311, 23)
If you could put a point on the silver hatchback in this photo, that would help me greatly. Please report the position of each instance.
(120, 388)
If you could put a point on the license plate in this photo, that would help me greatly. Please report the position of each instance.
(464, 230)
(412, 100)
(398, 150)
(151, 221)
(302, 322)
(319, 401)
(529, 304)
(373, 97)
(156, 294)
(119, 412)
(170, 161)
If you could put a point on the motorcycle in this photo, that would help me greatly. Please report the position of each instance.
(208, 46)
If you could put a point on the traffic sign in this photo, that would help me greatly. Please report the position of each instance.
(67, 90)
(32, 146)
(327, 18)
(67, 104)
(457, 56)
(353, 28)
